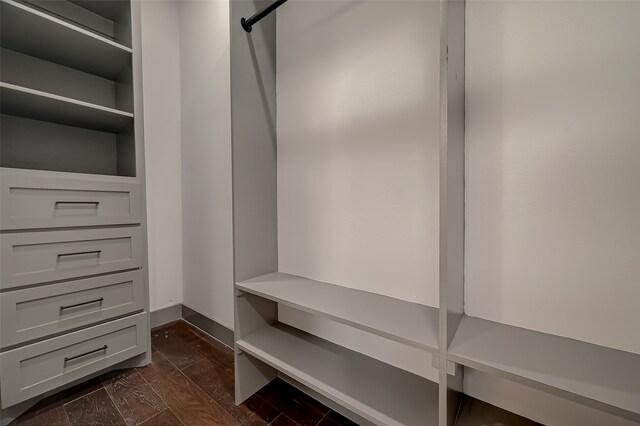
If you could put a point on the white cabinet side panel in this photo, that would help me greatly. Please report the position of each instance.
(161, 72)
(207, 230)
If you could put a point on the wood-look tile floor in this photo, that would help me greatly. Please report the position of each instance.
(190, 382)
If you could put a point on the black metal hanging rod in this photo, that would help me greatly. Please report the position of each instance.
(248, 23)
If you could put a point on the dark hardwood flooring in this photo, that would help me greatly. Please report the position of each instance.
(189, 382)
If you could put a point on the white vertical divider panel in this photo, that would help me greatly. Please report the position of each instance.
(451, 254)
(161, 65)
(207, 212)
(253, 134)
(253, 127)
(138, 130)
(251, 313)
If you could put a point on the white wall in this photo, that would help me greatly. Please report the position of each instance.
(161, 96)
(206, 159)
(357, 87)
(553, 168)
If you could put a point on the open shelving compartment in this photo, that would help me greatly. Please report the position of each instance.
(543, 377)
(74, 43)
(66, 90)
(375, 391)
(533, 258)
(392, 378)
(404, 322)
(605, 378)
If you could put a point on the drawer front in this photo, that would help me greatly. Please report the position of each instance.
(34, 313)
(40, 257)
(35, 369)
(35, 199)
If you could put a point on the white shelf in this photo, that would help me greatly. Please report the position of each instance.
(380, 393)
(398, 320)
(37, 105)
(71, 176)
(38, 34)
(600, 376)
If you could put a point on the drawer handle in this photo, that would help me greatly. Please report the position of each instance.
(80, 253)
(78, 202)
(62, 308)
(71, 358)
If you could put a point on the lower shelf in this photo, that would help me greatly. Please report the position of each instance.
(604, 378)
(376, 391)
(38, 105)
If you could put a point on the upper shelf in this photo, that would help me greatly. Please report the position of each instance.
(607, 378)
(396, 319)
(37, 105)
(35, 33)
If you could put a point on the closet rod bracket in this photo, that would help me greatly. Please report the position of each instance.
(248, 23)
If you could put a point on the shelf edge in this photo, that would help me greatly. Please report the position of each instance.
(65, 99)
(68, 25)
(428, 348)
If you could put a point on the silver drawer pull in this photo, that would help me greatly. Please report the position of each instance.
(71, 358)
(62, 308)
(80, 253)
(78, 202)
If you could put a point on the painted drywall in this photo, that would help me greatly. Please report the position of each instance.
(206, 159)
(553, 168)
(357, 108)
(161, 95)
(406, 357)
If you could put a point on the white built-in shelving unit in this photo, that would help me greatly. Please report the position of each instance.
(75, 304)
(371, 389)
(359, 384)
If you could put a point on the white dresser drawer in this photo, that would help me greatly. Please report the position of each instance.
(40, 257)
(34, 313)
(32, 199)
(35, 369)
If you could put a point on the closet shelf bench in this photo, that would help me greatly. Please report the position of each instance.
(600, 376)
(405, 322)
(380, 393)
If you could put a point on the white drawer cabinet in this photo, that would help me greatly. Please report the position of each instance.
(74, 299)
(40, 257)
(34, 313)
(31, 199)
(35, 369)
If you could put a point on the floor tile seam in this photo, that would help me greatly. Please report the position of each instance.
(151, 386)
(166, 407)
(209, 396)
(115, 405)
(325, 415)
(159, 396)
